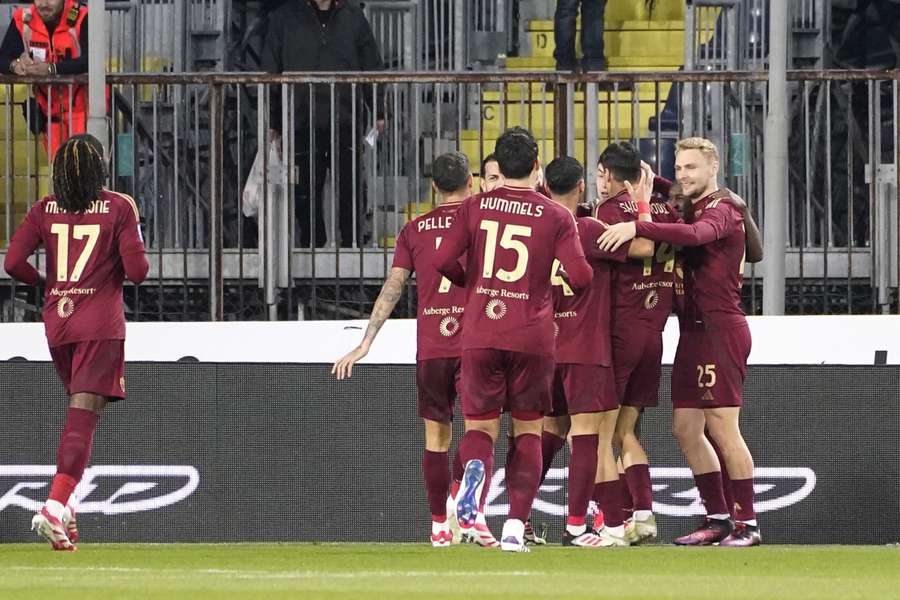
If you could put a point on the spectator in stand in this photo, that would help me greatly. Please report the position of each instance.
(324, 35)
(50, 37)
(591, 35)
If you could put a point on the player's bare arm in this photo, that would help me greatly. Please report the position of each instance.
(754, 237)
(384, 306)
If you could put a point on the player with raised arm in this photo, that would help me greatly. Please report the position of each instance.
(510, 237)
(641, 302)
(711, 361)
(585, 402)
(439, 323)
(93, 243)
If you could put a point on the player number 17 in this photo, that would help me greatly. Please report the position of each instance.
(79, 232)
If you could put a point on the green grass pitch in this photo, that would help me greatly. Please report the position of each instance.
(419, 571)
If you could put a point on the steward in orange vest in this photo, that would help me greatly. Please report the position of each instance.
(50, 37)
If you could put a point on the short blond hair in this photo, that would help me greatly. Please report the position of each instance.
(706, 147)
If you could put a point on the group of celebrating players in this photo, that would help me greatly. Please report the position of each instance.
(563, 330)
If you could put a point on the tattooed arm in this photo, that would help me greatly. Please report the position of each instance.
(384, 306)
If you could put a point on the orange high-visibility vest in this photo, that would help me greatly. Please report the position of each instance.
(62, 44)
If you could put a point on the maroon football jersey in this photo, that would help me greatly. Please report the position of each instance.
(714, 264)
(84, 265)
(439, 315)
(511, 236)
(642, 288)
(583, 319)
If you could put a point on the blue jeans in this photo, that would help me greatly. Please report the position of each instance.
(591, 34)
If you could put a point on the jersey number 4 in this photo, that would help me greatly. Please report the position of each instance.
(444, 286)
(664, 254)
(557, 279)
(508, 241)
(79, 232)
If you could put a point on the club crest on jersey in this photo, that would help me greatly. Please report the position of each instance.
(651, 300)
(65, 307)
(495, 309)
(449, 326)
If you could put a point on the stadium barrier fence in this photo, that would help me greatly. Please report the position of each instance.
(183, 145)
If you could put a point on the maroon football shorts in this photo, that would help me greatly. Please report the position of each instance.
(637, 362)
(438, 383)
(710, 367)
(96, 366)
(581, 389)
(494, 379)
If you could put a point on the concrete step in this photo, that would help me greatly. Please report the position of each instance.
(616, 43)
(25, 190)
(546, 25)
(539, 118)
(538, 94)
(28, 157)
(669, 62)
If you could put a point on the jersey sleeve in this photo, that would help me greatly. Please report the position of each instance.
(568, 251)
(403, 258)
(25, 241)
(131, 244)
(590, 230)
(452, 247)
(714, 224)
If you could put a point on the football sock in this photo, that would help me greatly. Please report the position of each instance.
(710, 487)
(743, 500)
(55, 508)
(639, 487)
(74, 452)
(610, 502)
(550, 445)
(436, 473)
(626, 501)
(526, 470)
(582, 469)
(488, 473)
(457, 468)
(476, 444)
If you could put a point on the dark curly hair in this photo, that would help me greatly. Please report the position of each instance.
(79, 173)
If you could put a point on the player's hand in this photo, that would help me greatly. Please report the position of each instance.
(642, 191)
(616, 235)
(343, 368)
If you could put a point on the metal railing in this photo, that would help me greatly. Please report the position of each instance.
(187, 164)
(734, 34)
(441, 35)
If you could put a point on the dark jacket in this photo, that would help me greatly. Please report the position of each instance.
(297, 41)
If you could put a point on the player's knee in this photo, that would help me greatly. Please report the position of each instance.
(686, 433)
(437, 436)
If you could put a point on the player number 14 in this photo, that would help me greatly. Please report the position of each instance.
(79, 232)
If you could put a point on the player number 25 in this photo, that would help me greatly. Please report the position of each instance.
(507, 241)
(665, 253)
(79, 232)
(707, 372)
